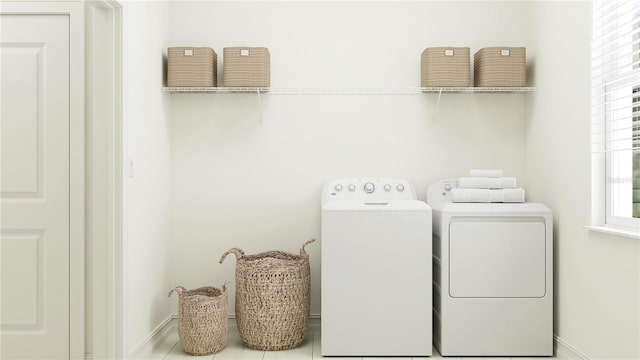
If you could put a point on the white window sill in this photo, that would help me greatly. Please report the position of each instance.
(613, 230)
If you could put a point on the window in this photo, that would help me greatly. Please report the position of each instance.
(616, 110)
(636, 151)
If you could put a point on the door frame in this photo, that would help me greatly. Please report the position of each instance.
(74, 10)
(104, 189)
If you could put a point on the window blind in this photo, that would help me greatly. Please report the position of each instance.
(616, 76)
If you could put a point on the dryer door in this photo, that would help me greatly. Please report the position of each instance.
(497, 259)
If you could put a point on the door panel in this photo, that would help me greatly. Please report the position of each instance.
(34, 145)
(20, 256)
(20, 138)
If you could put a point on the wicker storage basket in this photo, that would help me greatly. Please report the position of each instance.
(272, 298)
(500, 67)
(445, 66)
(192, 67)
(203, 324)
(246, 67)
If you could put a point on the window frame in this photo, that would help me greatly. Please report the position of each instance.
(602, 163)
(610, 219)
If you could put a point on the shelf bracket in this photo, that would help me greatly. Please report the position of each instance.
(438, 102)
(259, 104)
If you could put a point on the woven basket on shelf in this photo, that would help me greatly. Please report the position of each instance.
(203, 324)
(500, 67)
(246, 67)
(192, 67)
(272, 298)
(445, 66)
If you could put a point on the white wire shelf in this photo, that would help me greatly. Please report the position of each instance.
(346, 91)
(487, 90)
(217, 90)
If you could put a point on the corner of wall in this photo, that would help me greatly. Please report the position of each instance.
(596, 278)
(146, 179)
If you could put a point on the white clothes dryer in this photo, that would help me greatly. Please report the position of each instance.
(376, 269)
(493, 276)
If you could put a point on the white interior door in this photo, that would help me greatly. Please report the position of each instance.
(34, 184)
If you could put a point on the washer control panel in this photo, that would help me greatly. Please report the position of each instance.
(375, 189)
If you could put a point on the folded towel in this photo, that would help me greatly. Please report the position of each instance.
(492, 173)
(486, 183)
(488, 195)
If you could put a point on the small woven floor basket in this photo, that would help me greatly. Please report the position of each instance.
(272, 298)
(203, 324)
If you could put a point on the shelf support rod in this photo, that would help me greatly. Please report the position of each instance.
(259, 104)
(438, 102)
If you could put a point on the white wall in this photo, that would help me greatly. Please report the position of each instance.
(147, 193)
(239, 183)
(597, 276)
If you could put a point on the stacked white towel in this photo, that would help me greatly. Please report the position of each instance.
(487, 183)
(488, 195)
(491, 173)
(487, 186)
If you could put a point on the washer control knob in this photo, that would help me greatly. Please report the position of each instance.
(369, 187)
(387, 187)
(447, 187)
(400, 187)
(352, 187)
(338, 187)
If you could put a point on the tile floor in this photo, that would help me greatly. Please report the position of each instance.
(170, 349)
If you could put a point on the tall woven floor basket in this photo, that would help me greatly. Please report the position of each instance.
(272, 298)
(203, 324)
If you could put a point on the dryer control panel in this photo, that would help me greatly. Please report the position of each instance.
(368, 189)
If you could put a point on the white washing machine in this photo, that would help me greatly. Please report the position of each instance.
(493, 276)
(376, 269)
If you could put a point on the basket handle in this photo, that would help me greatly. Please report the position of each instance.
(302, 252)
(178, 289)
(239, 253)
(224, 286)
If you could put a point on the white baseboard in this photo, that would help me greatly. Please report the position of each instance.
(563, 350)
(145, 349)
(314, 322)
